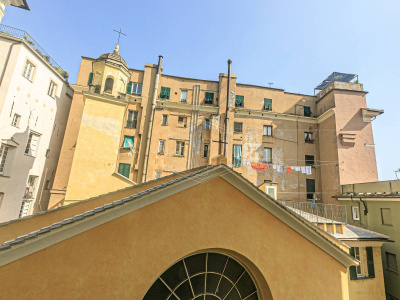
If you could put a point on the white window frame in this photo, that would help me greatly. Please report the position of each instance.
(31, 148)
(29, 69)
(183, 96)
(271, 187)
(52, 89)
(267, 130)
(180, 148)
(135, 88)
(164, 120)
(161, 145)
(355, 213)
(25, 208)
(31, 186)
(3, 157)
(308, 137)
(15, 121)
(132, 119)
(241, 127)
(265, 154)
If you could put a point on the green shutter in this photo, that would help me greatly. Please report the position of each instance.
(370, 262)
(90, 78)
(353, 269)
(307, 111)
(209, 98)
(239, 101)
(124, 169)
(267, 104)
(165, 92)
(129, 87)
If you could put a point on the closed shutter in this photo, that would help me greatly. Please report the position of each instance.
(34, 144)
(90, 78)
(370, 262)
(129, 87)
(353, 269)
(310, 185)
(124, 169)
(267, 104)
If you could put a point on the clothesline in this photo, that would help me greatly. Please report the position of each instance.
(282, 169)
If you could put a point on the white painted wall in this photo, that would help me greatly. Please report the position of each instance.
(39, 113)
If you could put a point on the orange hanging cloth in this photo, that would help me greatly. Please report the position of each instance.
(288, 169)
(259, 166)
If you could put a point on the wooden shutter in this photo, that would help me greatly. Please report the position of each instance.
(353, 269)
(90, 78)
(129, 87)
(370, 262)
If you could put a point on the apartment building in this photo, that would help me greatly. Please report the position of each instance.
(375, 206)
(129, 126)
(35, 99)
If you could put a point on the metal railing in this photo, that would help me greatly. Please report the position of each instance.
(22, 34)
(318, 212)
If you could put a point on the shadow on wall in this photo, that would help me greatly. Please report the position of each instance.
(57, 136)
(356, 122)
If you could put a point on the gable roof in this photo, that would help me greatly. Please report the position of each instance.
(59, 231)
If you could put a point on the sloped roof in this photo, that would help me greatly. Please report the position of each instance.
(114, 57)
(64, 229)
(356, 233)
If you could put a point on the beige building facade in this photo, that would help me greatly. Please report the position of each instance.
(149, 125)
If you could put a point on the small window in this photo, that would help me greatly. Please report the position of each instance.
(32, 145)
(267, 104)
(237, 127)
(270, 191)
(108, 86)
(3, 157)
(165, 93)
(239, 101)
(134, 88)
(15, 120)
(386, 216)
(180, 148)
(207, 124)
(391, 262)
(161, 144)
(47, 185)
(209, 99)
(128, 142)
(31, 187)
(183, 96)
(52, 89)
(47, 153)
(308, 137)
(267, 155)
(124, 169)
(267, 130)
(28, 70)
(1, 198)
(164, 120)
(205, 151)
(309, 159)
(307, 111)
(237, 156)
(25, 207)
(357, 256)
(182, 121)
(131, 120)
(90, 79)
(310, 184)
(355, 213)
(157, 174)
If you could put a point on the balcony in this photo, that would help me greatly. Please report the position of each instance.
(22, 34)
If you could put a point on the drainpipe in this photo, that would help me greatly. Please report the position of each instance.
(227, 105)
(153, 106)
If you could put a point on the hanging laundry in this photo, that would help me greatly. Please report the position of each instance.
(303, 170)
(292, 167)
(274, 167)
(288, 169)
(297, 168)
(278, 168)
(308, 170)
(258, 166)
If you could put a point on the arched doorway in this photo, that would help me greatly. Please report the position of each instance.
(204, 276)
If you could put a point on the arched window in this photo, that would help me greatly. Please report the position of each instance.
(210, 276)
(109, 85)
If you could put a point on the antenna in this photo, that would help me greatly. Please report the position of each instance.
(270, 84)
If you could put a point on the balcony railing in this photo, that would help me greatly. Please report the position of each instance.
(22, 34)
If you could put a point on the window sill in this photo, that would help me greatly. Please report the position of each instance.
(5, 176)
(159, 153)
(176, 155)
(15, 126)
(29, 155)
(238, 132)
(390, 225)
(27, 79)
(130, 127)
(164, 124)
(267, 135)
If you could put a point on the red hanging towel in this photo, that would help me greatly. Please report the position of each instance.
(288, 169)
(258, 166)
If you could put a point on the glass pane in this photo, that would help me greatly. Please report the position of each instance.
(224, 287)
(184, 291)
(198, 284)
(157, 291)
(174, 275)
(196, 264)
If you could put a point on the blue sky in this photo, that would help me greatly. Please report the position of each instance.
(294, 44)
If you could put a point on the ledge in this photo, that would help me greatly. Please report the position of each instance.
(369, 114)
(185, 106)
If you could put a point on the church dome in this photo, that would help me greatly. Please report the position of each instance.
(114, 57)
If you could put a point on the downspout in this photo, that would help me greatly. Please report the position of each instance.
(6, 63)
(227, 105)
(153, 106)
